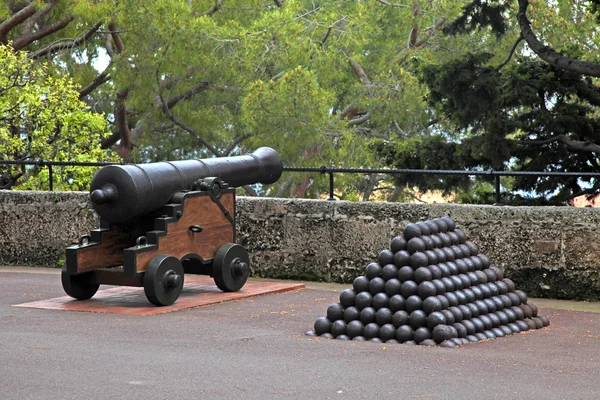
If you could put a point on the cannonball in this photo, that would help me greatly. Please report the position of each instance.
(376, 340)
(437, 242)
(398, 243)
(534, 309)
(485, 290)
(421, 334)
(506, 329)
(343, 337)
(417, 319)
(502, 317)
(458, 341)
(380, 300)
(522, 325)
(311, 333)
(493, 289)
(385, 257)
(376, 285)
(445, 269)
(487, 322)
(363, 300)
(470, 264)
(354, 328)
(338, 328)
(389, 271)
(322, 325)
(466, 250)
(418, 260)
(461, 297)
(514, 328)
(446, 242)
(477, 292)
(502, 287)
(392, 341)
(466, 311)
(440, 288)
(498, 302)
(452, 267)
(461, 329)
(442, 333)
(454, 240)
(473, 248)
(485, 261)
(458, 314)
(449, 317)
(472, 338)
(522, 296)
(506, 301)
(410, 342)
(470, 295)
(359, 338)
(450, 256)
(452, 299)
(373, 270)
(443, 300)
(387, 332)
(491, 306)
(479, 326)
(490, 274)
(483, 308)
(458, 253)
(413, 303)
(400, 318)
(371, 331)
(392, 287)
(327, 335)
(433, 227)
(429, 244)
(481, 277)
(347, 297)
(469, 326)
(498, 332)
(428, 342)
(426, 289)
(401, 259)
(514, 298)
(367, 315)
(411, 231)
(466, 281)
(425, 230)
(474, 309)
(448, 283)
(408, 288)
(538, 323)
(396, 303)
(462, 238)
(448, 344)
(477, 264)
(360, 284)
(351, 314)
(489, 334)
(442, 225)
(406, 273)
(462, 266)
(512, 317)
(449, 222)
(527, 310)
(518, 312)
(432, 259)
(544, 319)
(383, 316)
(404, 333)
(498, 272)
(435, 318)
(530, 323)
(431, 304)
(495, 320)
(416, 244)
(510, 284)
(335, 312)
(441, 256)
(436, 272)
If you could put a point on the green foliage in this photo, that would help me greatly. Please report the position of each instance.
(42, 118)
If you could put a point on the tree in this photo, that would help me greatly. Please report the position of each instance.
(42, 118)
(535, 111)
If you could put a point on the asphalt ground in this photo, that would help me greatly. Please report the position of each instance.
(256, 349)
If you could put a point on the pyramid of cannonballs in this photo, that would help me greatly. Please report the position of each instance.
(431, 288)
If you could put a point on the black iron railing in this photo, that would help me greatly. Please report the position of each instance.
(333, 170)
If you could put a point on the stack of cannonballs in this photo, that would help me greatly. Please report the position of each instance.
(431, 288)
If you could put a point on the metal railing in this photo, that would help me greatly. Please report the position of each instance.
(333, 170)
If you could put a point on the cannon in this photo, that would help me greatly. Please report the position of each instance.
(160, 221)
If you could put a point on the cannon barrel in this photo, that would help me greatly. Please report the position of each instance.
(121, 192)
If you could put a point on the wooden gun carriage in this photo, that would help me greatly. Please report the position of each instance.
(161, 221)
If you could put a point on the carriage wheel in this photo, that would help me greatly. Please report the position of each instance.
(163, 280)
(78, 286)
(231, 267)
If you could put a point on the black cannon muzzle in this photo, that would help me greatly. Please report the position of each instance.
(121, 192)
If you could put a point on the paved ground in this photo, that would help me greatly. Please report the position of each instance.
(255, 349)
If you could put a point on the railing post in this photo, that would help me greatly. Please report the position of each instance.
(497, 190)
(50, 178)
(331, 186)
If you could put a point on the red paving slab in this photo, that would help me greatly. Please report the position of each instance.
(197, 292)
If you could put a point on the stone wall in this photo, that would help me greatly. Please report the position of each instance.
(547, 251)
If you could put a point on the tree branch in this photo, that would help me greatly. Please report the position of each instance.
(99, 80)
(360, 72)
(30, 23)
(215, 8)
(510, 54)
(172, 101)
(548, 54)
(392, 5)
(121, 123)
(69, 45)
(23, 41)
(362, 119)
(577, 145)
(235, 142)
(278, 3)
(16, 19)
(115, 37)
